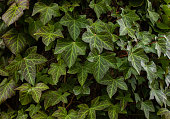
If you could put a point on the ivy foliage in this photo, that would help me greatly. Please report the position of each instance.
(84, 59)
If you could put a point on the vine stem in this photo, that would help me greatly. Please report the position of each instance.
(70, 101)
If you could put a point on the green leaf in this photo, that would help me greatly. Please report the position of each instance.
(15, 11)
(99, 7)
(147, 107)
(152, 15)
(113, 84)
(81, 70)
(74, 24)
(91, 112)
(37, 91)
(165, 112)
(56, 70)
(46, 12)
(113, 111)
(48, 34)
(136, 56)
(150, 69)
(28, 68)
(159, 96)
(98, 40)
(3, 72)
(124, 29)
(15, 41)
(61, 113)
(101, 63)
(21, 115)
(81, 90)
(160, 46)
(83, 112)
(54, 97)
(33, 109)
(42, 115)
(34, 26)
(70, 50)
(6, 89)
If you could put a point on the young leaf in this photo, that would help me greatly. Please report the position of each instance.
(74, 24)
(46, 12)
(147, 107)
(98, 40)
(15, 41)
(15, 11)
(165, 112)
(7, 89)
(70, 51)
(136, 56)
(56, 70)
(48, 34)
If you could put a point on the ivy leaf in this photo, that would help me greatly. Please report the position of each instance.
(21, 115)
(153, 16)
(129, 16)
(42, 115)
(61, 113)
(33, 109)
(91, 112)
(124, 29)
(158, 95)
(15, 11)
(136, 56)
(160, 46)
(98, 41)
(56, 70)
(54, 97)
(101, 63)
(6, 89)
(83, 112)
(74, 24)
(70, 51)
(3, 72)
(113, 84)
(165, 112)
(150, 69)
(28, 68)
(81, 90)
(99, 7)
(34, 26)
(37, 91)
(46, 12)
(147, 107)
(81, 70)
(15, 41)
(49, 34)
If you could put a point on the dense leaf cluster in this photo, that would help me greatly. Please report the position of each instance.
(84, 59)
